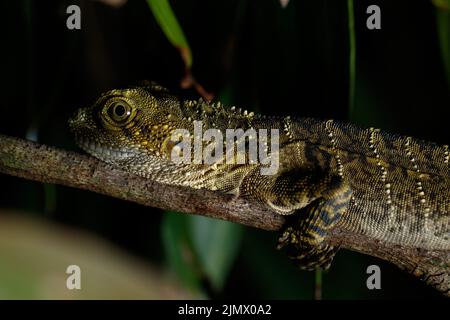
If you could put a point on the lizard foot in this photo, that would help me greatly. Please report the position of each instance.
(307, 257)
(304, 237)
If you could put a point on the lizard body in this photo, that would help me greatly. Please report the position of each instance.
(392, 188)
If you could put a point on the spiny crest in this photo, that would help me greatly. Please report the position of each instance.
(201, 109)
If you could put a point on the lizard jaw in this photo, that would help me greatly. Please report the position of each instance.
(105, 152)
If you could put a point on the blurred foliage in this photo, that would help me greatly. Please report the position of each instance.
(168, 22)
(179, 250)
(35, 254)
(216, 244)
(443, 26)
(274, 57)
(352, 58)
(200, 250)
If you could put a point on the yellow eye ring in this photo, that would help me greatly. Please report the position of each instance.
(118, 113)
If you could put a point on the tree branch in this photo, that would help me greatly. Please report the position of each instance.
(32, 161)
(37, 162)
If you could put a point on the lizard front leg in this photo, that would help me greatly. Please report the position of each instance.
(318, 200)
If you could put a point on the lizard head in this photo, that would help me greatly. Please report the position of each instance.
(123, 125)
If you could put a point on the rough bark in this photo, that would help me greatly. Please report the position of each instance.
(37, 162)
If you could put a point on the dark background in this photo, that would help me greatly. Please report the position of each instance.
(249, 53)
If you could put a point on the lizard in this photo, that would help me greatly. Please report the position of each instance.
(392, 188)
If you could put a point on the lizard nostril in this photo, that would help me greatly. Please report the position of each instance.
(78, 116)
(76, 119)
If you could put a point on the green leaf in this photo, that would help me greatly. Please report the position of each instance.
(444, 4)
(352, 58)
(166, 19)
(217, 244)
(198, 247)
(178, 249)
(443, 28)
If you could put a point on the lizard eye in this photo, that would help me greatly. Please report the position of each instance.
(119, 112)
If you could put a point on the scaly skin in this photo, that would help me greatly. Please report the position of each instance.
(392, 188)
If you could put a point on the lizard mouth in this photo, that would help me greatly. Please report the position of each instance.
(98, 150)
